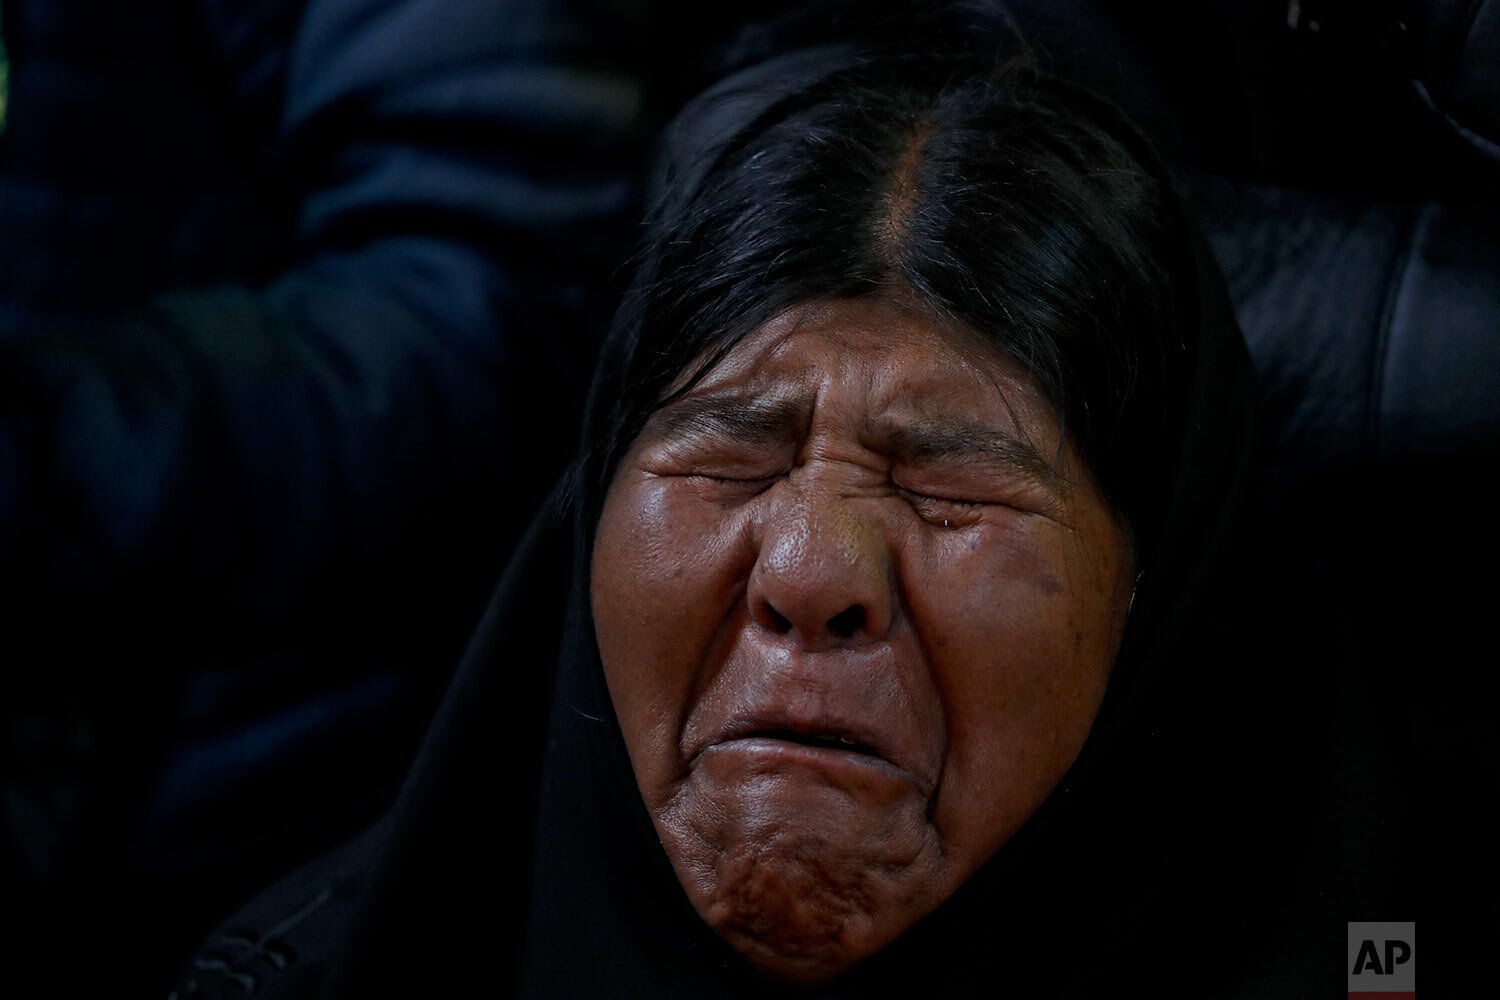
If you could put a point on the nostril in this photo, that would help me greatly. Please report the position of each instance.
(775, 620)
(847, 622)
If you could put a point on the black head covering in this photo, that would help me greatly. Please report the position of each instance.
(520, 850)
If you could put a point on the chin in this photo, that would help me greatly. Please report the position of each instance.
(797, 914)
(803, 884)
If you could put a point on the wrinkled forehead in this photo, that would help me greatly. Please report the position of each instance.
(877, 361)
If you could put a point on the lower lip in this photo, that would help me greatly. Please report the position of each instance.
(832, 760)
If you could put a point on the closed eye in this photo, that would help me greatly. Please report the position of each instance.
(950, 512)
(736, 489)
(735, 480)
(917, 495)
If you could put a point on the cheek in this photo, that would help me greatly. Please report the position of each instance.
(1021, 633)
(666, 573)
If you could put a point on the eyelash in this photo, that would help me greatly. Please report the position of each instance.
(953, 507)
(917, 494)
(736, 483)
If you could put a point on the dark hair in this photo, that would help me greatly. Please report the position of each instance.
(1023, 208)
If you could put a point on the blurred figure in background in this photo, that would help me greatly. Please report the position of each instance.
(296, 297)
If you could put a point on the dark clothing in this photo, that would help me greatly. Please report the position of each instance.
(297, 303)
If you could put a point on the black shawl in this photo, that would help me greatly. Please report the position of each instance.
(520, 851)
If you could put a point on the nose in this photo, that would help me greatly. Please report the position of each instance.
(822, 577)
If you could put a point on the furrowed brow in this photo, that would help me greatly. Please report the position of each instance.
(938, 443)
(748, 417)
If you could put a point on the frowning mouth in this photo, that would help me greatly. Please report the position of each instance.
(847, 736)
(827, 741)
(818, 730)
(829, 753)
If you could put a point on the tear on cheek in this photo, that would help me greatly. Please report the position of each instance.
(653, 510)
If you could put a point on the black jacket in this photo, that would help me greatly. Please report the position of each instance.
(296, 301)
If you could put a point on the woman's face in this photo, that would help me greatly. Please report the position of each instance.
(856, 605)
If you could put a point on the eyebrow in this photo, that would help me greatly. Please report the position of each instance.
(749, 417)
(930, 441)
(754, 419)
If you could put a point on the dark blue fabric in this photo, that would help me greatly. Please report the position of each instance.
(297, 298)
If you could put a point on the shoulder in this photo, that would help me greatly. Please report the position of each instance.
(283, 943)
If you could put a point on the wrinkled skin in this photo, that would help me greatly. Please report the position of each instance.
(856, 605)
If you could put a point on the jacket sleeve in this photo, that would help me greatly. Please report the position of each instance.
(461, 173)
